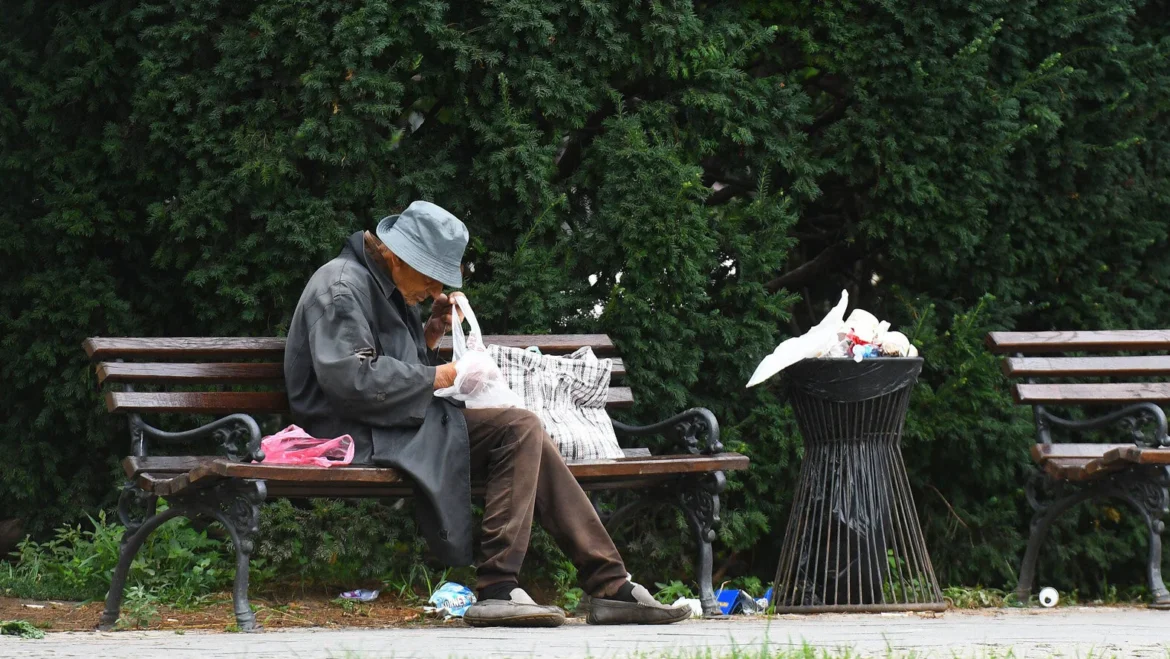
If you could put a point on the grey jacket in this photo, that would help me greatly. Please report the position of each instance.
(356, 363)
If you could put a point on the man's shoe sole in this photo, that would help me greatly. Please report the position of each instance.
(494, 613)
(633, 613)
(530, 620)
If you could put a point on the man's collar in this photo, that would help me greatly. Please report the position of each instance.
(357, 242)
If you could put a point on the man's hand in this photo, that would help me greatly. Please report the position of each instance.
(440, 321)
(445, 376)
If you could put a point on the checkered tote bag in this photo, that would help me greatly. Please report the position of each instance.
(568, 394)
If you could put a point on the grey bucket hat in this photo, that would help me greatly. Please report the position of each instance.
(428, 239)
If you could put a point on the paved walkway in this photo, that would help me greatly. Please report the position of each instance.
(1076, 632)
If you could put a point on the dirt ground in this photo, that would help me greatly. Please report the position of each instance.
(272, 613)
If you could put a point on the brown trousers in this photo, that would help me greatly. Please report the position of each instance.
(526, 479)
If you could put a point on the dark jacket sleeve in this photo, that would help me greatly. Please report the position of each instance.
(366, 387)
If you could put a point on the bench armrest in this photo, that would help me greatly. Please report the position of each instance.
(238, 435)
(695, 431)
(1131, 417)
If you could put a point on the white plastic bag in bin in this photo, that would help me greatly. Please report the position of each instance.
(478, 380)
(820, 340)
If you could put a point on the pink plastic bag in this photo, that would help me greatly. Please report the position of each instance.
(294, 446)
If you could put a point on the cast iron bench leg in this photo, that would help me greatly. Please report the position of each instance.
(137, 530)
(1145, 490)
(233, 503)
(1045, 514)
(699, 499)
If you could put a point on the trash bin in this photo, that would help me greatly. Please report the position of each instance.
(853, 541)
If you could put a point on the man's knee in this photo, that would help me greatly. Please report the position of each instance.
(523, 426)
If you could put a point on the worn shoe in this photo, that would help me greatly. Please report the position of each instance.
(521, 611)
(645, 611)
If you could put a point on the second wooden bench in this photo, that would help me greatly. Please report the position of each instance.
(1123, 390)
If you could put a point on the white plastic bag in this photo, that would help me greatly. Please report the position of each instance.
(895, 344)
(478, 380)
(818, 341)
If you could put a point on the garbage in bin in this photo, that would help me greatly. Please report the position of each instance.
(858, 337)
(814, 343)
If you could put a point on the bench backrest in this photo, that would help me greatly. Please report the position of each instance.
(1037, 359)
(204, 367)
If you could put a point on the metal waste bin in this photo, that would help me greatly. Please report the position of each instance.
(853, 541)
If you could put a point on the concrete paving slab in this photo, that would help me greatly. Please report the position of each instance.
(1067, 632)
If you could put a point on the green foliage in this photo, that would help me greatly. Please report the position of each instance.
(976, 597)
(342, 544)
(20, 628)
(177, 565)
(669, 593)
(751, 585)
(139, 609)
(698, 180)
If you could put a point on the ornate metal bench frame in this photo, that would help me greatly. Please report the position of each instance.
(235, 503)
(1146, 488)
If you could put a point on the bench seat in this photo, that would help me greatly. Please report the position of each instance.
(164, 476)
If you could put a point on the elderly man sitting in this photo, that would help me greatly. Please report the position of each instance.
(360, 361)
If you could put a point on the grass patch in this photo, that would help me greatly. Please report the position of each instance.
(21, 628)
(178, 565)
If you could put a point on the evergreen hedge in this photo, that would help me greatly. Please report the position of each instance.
(709, 175)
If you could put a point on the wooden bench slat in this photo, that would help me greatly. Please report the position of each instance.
(620, 397)
(618, 371)
(133, 466)
(1044, 452)
(197, 402)
(1084, 461)
(1109, 340)
(658, 464)
(215, 372)
(1064, 468)
(1080, 469)
(1113, 393)
(679, 464)
(273, 347)
(250, 402)
(1086, 366)
(549, 344)
(183, 347)
(189, 373)
(292, 489)
(161, 474)
(1139, 455)
(163, 464)
(163, 484)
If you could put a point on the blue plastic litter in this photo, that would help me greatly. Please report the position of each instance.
(360, 595)
(726, 598)
(451, 600)
(733, 601)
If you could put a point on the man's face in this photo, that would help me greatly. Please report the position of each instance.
(412, 284)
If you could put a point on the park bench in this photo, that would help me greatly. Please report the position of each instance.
(236, 381)
(1119, 389)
